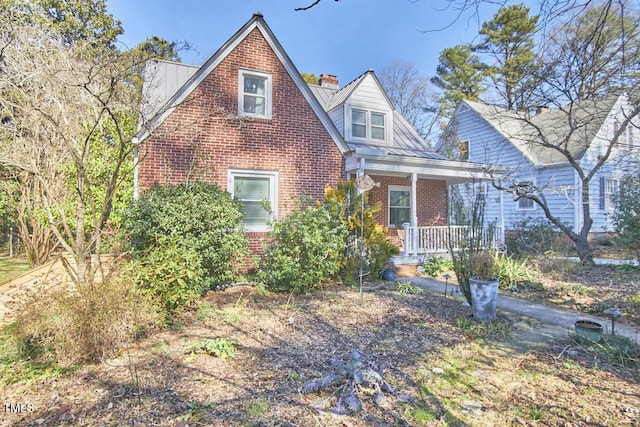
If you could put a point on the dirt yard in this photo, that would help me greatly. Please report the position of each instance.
(426, 346)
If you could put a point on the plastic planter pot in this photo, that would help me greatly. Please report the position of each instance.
(389, 275)
(588, 332)
(484, 297)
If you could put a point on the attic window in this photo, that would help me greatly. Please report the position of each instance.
(368, 125)
(254, 94)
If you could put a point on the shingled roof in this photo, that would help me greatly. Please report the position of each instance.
(571, 128)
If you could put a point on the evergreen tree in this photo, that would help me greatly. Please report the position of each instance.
(459, 75)
(508, 41)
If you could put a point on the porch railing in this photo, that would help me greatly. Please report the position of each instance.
(439, 239)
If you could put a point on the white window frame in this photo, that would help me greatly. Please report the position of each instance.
(389, 207)
(242, 73)
(611, 186)
(273, 192)
(369, 125)
(481, 191)
(531, 206)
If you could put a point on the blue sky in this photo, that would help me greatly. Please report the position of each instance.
(344, 38)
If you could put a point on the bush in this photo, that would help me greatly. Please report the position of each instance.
(305, 248)
(359, 218)
(81, 323)
(184, 239)
(626, 221)
(512, 272)
(533, 237)
(435, 266)
(171, 274)
(379, 250)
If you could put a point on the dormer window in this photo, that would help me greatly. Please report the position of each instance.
(377, 126)
(359, 124)
(368, 125)
(254, 94)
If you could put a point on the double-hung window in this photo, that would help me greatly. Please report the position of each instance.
(254, 94)
(523, 188)
(608, 192)
(399, 205)
(368, 125)
(377, 126)
(256, 190)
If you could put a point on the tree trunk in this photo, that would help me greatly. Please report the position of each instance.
(584, 251)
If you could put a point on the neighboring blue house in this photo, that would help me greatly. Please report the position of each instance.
(515, 140)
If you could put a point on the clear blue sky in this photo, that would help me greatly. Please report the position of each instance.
(343, 38)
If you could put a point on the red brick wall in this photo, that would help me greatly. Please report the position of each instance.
(203, 137)
(431, 198)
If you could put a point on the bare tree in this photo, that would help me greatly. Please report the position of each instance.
(67, 110)
(412, 95)
(590, 66)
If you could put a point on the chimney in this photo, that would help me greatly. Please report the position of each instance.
(329, 81)
(541, 109)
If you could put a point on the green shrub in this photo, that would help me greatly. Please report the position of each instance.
(171, 273)
(534, 237)
(512, 272)
(435, 266)
(379, 250)
(305, 248)
(184, 239)
(359, 217)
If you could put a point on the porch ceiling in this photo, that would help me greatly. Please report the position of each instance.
(454, 172)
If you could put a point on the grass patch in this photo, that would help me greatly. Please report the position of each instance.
(205, 311)
(256, 408)
(16, 368)
(494, 329)
(11, 268)
(618, 350)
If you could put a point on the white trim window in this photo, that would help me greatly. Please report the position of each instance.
(481, 192)
(608, 192)
(399, 205)
(524, 204)
(368, 125)
(254, 189)
(254, 94)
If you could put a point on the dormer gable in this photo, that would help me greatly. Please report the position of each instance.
(368, 112)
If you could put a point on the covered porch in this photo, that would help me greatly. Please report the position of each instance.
(435, 240)
(414, 194)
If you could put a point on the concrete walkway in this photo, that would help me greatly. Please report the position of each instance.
(542, 312)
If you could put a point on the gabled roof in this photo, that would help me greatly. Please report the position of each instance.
(406, 140)
(572, 128)
(256, 22)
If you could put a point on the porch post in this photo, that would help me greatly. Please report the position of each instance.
(502, 239)
(406, 250)
(414, 213)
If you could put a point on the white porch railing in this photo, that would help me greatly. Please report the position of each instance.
(425, 240)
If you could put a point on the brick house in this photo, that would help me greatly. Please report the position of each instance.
(246, 121)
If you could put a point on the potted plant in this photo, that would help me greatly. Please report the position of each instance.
(483, 285)
(388, 273)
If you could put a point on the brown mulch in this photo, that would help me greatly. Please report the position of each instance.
(283, 341)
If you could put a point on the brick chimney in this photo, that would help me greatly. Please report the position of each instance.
(541, 109)
(329, 81)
